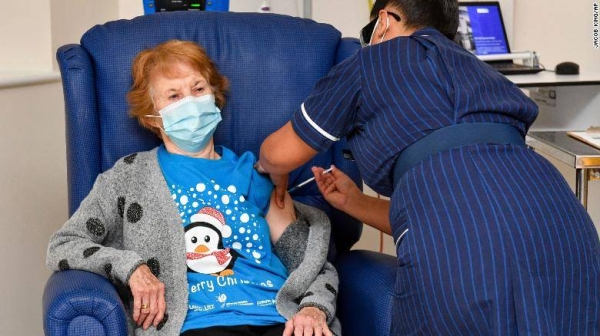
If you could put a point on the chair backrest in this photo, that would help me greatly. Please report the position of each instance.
(272, 62)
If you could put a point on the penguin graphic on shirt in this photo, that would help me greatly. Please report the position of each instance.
(204, 248)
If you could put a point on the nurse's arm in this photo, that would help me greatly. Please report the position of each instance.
(280, 153)
(373, 211)
(284, 151)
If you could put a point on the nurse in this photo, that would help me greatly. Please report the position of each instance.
(489, 237)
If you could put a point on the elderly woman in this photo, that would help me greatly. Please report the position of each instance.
(186, 230)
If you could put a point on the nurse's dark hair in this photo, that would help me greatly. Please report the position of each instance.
(439, 14)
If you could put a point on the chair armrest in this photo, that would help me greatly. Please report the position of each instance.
(366, 292)
(82, 303)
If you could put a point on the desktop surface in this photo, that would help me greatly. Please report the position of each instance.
(565, 148)
(549, 78)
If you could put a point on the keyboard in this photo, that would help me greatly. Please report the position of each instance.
(510, 68)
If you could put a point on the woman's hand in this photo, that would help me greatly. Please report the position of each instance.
(307, 322)
(149, 303)
(337, 188)
(280, 218)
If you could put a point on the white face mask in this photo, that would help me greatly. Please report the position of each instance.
(387, 26)
(368, 32)
(373, 33)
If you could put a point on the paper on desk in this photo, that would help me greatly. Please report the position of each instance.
(589, 138)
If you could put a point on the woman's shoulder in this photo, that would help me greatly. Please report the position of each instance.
(245, 158)
(133, 161)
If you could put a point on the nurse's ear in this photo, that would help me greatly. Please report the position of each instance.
(382, 27)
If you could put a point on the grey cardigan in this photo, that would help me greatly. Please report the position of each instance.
(129, 219)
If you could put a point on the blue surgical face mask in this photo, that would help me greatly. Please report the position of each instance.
(191, 122)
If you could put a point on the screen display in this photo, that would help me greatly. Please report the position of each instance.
(180, 5)
(481, 30)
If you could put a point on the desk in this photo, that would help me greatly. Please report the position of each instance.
(577, 103)
(549, 78)
(577, 108)
(584, 158)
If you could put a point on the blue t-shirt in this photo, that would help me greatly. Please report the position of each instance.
(233, 274)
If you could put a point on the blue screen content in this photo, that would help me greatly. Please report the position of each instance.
(487, 30)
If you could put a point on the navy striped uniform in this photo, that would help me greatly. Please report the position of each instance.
(497, 244)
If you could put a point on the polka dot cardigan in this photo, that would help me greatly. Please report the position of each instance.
(129, 219)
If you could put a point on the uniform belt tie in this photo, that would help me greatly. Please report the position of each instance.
(454, 136)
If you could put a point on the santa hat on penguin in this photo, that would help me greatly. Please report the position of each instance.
(213, 217)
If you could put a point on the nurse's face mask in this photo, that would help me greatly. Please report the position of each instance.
(366, 34)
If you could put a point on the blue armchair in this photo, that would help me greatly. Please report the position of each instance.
(272, 62)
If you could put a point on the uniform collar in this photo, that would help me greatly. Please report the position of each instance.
(427, 31)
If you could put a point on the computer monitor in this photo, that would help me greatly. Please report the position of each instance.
(481, 28)
(481, 31)
(157, 6)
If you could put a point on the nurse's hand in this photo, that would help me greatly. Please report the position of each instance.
(307, 322)
(343, 194)
(338, 189)
(280, 181)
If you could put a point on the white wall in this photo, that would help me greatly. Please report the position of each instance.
(33, 200)
(559, 30)
(347, 16)
(287, 7)
(25, 25)
(71, 18)
(32, 168)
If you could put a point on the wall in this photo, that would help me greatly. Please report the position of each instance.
(32, 167)
(26, 27)
(33, 199)
(71, 18)
(558, 30)
(32, 142)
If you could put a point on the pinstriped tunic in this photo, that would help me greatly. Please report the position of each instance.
(496, 243)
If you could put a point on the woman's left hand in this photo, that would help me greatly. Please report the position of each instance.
(308, 322)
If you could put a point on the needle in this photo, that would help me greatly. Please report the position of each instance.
(307, 181)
